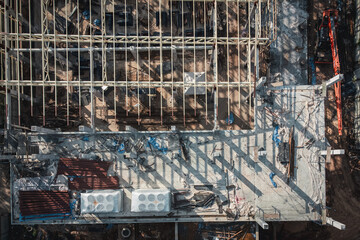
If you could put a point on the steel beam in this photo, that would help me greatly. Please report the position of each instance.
(122, 83)
(92, 105)
(175, 40)
(262, 223)
(336, 224)
(334, 152)
(7, 69)
(215, 67)
(334, 80)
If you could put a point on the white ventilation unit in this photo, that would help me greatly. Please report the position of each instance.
(102, 201)
(150, 200)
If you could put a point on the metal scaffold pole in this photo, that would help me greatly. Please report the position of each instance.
(7, 68)
(194, 42)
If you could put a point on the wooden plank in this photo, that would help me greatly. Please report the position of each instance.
(94, 183)
(256, 154)
(323, 216)
(291, 154)
(43, 202)
(271, 216)
(328, 155)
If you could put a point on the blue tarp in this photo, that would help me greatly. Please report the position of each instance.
(275, 136)
(152, 142)
(272, 180)
(230, 119)
(86, 14)
(121, 148)
(44, 216)
(97, 22)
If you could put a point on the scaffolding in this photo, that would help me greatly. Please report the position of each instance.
(53, 49)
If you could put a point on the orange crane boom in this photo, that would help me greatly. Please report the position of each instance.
(332, 16)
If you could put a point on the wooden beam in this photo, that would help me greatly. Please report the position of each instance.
(333, 152)
(291, 154)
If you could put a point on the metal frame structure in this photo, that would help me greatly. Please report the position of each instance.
(22, 39)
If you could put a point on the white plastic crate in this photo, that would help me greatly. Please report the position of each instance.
(150, 200)
(102, 201)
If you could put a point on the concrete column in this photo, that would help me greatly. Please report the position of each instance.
(176, 231)
(274, 230)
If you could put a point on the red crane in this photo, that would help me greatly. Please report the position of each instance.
(329, 22)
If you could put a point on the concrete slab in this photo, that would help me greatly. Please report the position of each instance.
(219, 159)
(288, 53)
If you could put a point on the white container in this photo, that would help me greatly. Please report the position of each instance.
(150, 200)
(102, 201)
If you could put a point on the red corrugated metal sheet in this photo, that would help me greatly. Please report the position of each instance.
(82, 167)
(86, 183)
(44, 202)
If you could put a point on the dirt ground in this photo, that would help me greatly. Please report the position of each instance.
(4, 199)
(4, 188)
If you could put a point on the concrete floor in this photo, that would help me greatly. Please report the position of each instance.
(288, 52)
(212, 154)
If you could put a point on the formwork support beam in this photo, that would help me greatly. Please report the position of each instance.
(333, 152)
(262, 223)
(334, 223)
(334, 80)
